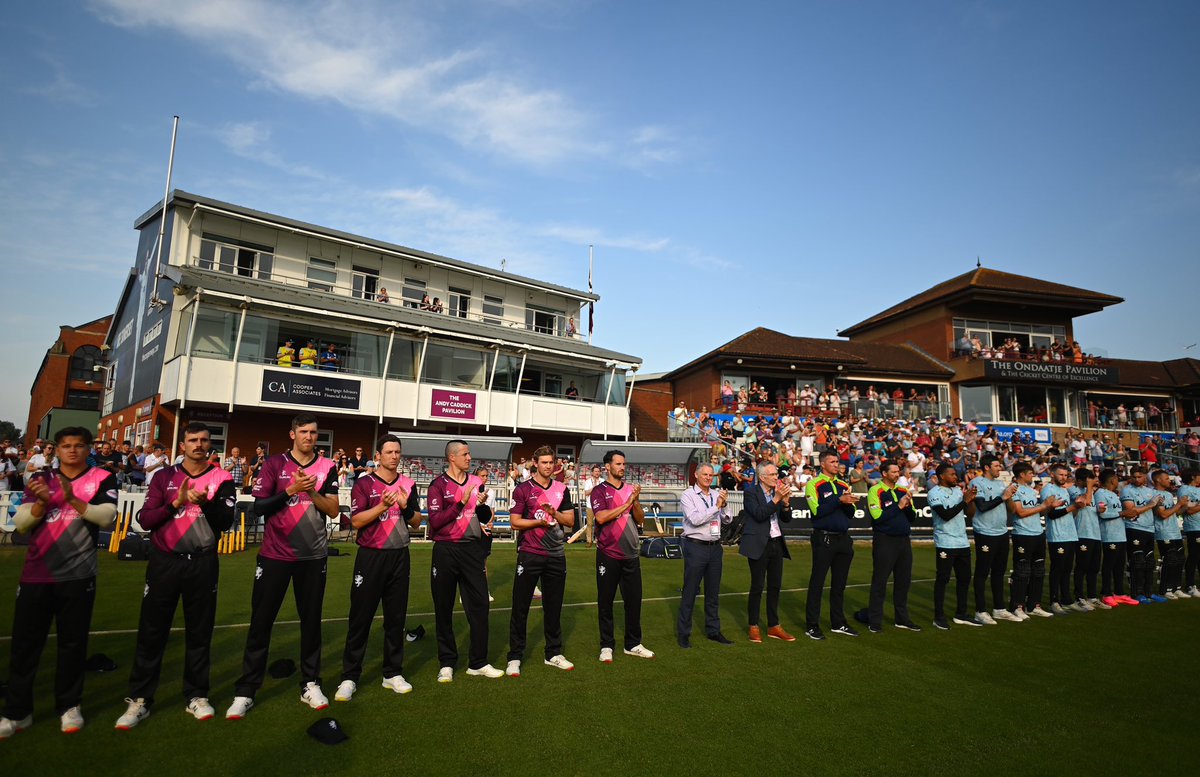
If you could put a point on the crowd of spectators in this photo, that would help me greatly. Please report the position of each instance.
(793, 443)
(972, 346)
(309, 357)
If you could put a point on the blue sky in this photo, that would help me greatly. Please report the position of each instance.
(795, 165)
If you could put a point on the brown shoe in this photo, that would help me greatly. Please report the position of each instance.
(755, 635)
(777, 632)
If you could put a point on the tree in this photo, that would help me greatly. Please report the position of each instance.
(10, 431)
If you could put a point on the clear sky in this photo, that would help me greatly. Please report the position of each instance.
(795, 165)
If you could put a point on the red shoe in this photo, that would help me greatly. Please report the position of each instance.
(1112, 601)
(755, 635)
(777, 632)
(1123, 599)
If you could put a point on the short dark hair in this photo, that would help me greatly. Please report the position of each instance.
(1020, 468)
(73, 431)
(1106, 474)
(1059, 465)
(545, 450)
(1155, 473)
(942, 469)
(827, 453)
(888, 463)
(384, 440)
(986, 460)
(608, 456)
(1188, 475)
(195, 427)
(455, 444)
(1082, 474)
(304, 419)
(1136, 470)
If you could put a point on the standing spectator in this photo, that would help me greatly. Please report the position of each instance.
(727, 396)
(155, 461)
(382, 295)
(572, 391)
(285, 353)
(330, 361)
(235, 465)
(8, 470)
(308, 355)
(571, 328)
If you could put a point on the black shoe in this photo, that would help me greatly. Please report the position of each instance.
(814, 633)
(720, 639)
(846, 631)
(941, 623)
(875, 629)
(685, 641)
(908, 626)
(862, 616)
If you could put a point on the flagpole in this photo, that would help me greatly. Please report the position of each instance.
(591, 303)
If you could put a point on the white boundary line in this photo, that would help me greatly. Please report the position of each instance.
(179, 629)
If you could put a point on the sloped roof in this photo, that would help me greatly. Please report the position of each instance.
(770, 344)
(1169, 375)
(987, 279)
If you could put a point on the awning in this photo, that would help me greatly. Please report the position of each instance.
(641, 452)
(426, 445)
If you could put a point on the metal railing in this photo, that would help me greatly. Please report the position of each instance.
(544, 322)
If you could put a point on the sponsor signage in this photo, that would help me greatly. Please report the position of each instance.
(801, 523)
(308, 387)
(1038, 434)
(1050, 372)
(457, 405)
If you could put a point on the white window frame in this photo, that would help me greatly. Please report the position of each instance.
(411, 286)
(321, 274)
(458, 302)
(493, 309)
(364, 283)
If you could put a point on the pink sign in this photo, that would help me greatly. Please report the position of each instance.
(453, 404)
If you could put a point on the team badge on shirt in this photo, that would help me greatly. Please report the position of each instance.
(986, 549)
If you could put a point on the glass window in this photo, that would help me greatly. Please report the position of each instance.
(216, 331)
(413, 291)
(452, 366)
(493, 309)
(1031, 404)
(544, 320)
(83, 400)
(976, 403)
(237, 257)
(507, 370)
(364, 283)
(1056, 405)
(403, 364)
(615, 385)
(84, 361)
(459, 302)
(322, 274)
(1007, 399)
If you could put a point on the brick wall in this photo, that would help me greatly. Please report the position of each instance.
(53, 381)
(648, 408)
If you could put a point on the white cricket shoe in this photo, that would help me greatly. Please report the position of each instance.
(200, 709)
(1038, 611)
(135, 713)
(560, 662)
(487, 670)
(640, 651)
(241, 705)
(1006, 615)
(1194, 592)
(513, 669)
(606, 655)
(397, 684)
(446, 675)
(72, 720)
(1020, 614)
(8, 726)
(1171, 595)
(314, 697)
(985, 619)
(1099, 605)
(346, 689)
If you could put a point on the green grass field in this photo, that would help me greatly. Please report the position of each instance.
(1097, 693)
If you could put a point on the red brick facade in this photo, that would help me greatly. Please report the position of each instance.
(54, 386)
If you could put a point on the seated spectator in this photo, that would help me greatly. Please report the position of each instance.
(285, 354)
(382, 295)
(436, 307)
(330, 361)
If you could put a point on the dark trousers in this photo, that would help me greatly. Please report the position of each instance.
(69, 605)
(1112, 569)
(626, 574)
(170, 578)
(1062, 559)
(1192, 539)
(380, 576)
(766, 569)
(702, 562)
(1139, 545)
(958, 562)
(1029, 570)
(890, 557)
(831, 552)
(1087, 567)
(1171, 575)
(272, 578)
(551, 573)
(460, 567)
(991, 564)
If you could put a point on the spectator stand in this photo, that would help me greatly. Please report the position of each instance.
(662, 469)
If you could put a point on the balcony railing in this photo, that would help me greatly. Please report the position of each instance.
(1046, 357)
(543, 322)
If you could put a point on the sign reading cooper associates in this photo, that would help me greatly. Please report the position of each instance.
(459, 405)
(308, 387)
(1050, 372)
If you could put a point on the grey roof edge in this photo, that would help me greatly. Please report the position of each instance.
(214, 280)
(179, 196)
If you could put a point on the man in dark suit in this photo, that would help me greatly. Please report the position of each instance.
(767, 506)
